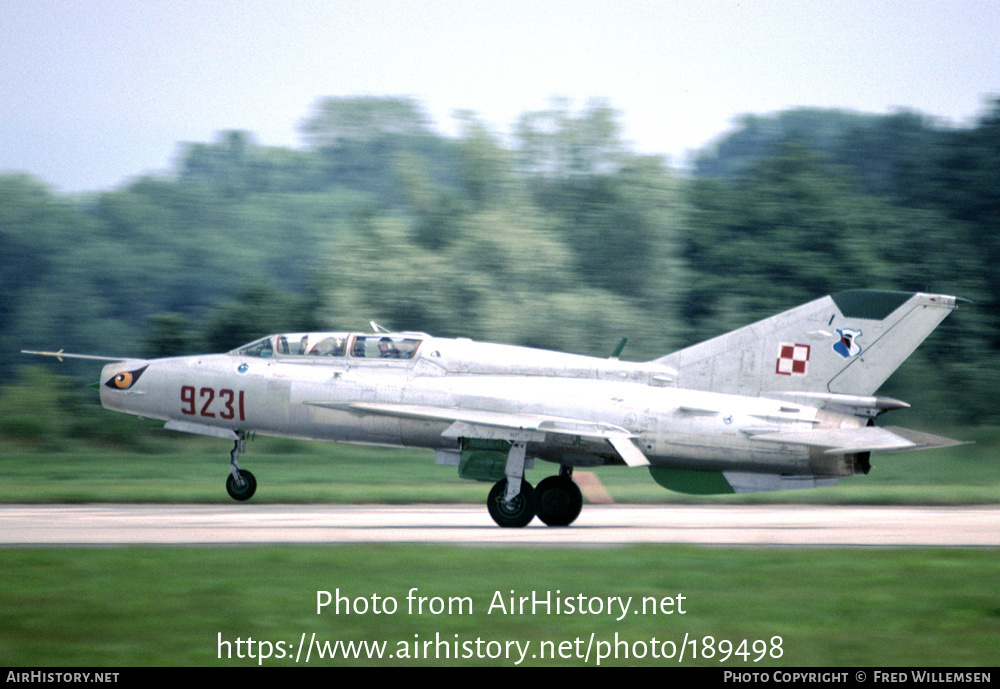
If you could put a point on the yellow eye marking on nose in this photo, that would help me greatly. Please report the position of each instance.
(123, 380)
(126, 379)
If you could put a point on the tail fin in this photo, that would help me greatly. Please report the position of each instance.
(846, 343)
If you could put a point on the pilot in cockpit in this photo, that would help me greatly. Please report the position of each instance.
(386, 349)
(329, 346)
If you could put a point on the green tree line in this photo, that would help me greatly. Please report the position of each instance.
(559, 235)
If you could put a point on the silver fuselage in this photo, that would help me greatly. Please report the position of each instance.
(325, 398)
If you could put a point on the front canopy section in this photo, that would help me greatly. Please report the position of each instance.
(335, 344)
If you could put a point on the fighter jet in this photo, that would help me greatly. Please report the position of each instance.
(787, 402)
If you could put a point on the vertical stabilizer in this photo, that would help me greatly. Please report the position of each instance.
(847, 343)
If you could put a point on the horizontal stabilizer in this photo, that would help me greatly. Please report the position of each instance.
(868, 439)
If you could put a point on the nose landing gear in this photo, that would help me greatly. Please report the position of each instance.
(240, 484)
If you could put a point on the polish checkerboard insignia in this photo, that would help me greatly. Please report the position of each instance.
(792, 359)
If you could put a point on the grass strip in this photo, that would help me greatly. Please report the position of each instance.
(140, 606)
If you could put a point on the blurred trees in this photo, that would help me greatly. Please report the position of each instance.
(559, 236)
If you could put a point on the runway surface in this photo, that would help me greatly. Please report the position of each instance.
(779, 525)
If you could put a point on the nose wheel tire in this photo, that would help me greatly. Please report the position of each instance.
(244, 490)
(558, 501)
(516, 513)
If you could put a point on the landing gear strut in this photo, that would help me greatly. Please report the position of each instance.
(512, 499)
(240, 484)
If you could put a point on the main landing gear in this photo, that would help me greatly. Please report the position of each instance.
(514, 503)
(517, 511)
(557, 501)
(240, 484)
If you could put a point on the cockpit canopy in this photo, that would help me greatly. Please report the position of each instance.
(324, 344)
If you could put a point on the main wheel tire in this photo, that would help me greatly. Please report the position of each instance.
(241, 492)
(558, 501)
(519, 512)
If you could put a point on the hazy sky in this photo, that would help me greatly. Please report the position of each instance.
(93, 93)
